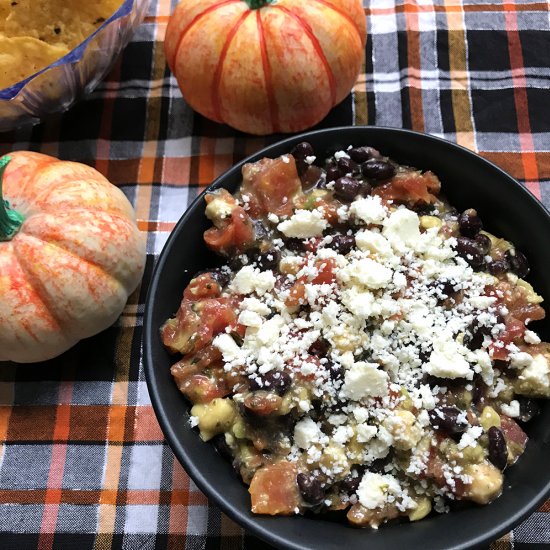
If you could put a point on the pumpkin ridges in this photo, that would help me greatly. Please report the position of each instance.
(273, 108)
(172, 60)
(316, 46)
(73, 183)
(22, 167)
(36, 287)
(71, 238)
(219, 68)
(75, 270)
(344, 15)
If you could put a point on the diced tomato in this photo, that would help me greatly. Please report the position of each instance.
(271, 185)
(325, 275)
(178, 332)
(200, 388)
(202, 286)
(515, 298)
(434, 465)
(237, 234)
(200, 376)
(513, 332)
(311, 245)
(329, 208)
(274, 490)
(512, 432)
(325, 272)
(516, 438)
(262, 403)
(296, 294)
(410, 188)
(299, 375)
(196, 324)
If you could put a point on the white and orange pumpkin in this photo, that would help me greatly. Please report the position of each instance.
(70, 255)
(265, 66)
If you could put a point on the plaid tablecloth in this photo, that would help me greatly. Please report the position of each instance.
(83, 463)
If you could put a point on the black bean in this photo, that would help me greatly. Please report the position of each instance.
(378, 169)
(343, 244)
(294, 244)
(528, 408)
(468, 249)
(474, 341)
(498, 452)
(269, 259)
(336, 372)
(238, 261)
(498, 267)
(424, 354)
(446, 286)
(366, 189)
(319, 348)
(362, 154)
(518, 262)
(278, 381)
(379, 465)
(300, 152)
(469, 223)
(347, 166)
(346, 188)
(478, 391)
(447, 419)
(221, 276)
(474, 335)
(483, 242)
(333, 173)
(350, 484)
(311, 489)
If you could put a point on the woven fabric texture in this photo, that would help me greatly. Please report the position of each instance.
(83, 463)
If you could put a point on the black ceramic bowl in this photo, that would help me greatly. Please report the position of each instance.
(468, 181)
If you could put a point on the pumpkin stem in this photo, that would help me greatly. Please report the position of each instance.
(10, 220)
(255, 4)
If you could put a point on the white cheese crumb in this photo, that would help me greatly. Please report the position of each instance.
(227, 346)
(469, 437)
(306, 432)
(531, 337)
(250, 319)
(249, 279)
(193, 421)
(402, 229)
(374, 490)
(365, 432)
(447, 361)
(520, 360)
(255, 305)
(511, 410)
(367, 272)
(364, 380)
(304, 224)
(369, 209)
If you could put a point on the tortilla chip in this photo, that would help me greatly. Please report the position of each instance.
(22, 56)
(58, 22)
(35, 33)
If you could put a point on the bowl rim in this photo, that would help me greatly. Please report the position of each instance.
(179, 451)
(74, 56)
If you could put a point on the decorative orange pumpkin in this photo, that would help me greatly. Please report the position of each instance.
(70, 255)
(265, 66)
